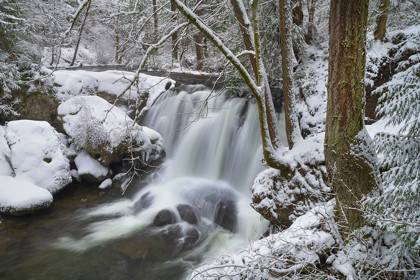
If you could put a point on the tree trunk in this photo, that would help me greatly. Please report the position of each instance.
(80, 34)
(246, 36)
(311, 15)
(287, 59)
(175, 34)
(155, 22)
(381, 19)
(349, 167)
(249, 38)
(198, 42)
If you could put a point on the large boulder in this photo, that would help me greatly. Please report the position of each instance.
(106, 132)
(37, 154)
(187, 213)
(164, 217)
(18, 197)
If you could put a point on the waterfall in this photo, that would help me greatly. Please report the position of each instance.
(200, 202)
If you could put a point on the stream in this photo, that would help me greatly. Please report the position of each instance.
(195, 206)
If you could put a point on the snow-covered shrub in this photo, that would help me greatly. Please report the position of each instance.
(296, 253)
(370, 253)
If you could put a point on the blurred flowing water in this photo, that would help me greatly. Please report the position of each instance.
(213, 147)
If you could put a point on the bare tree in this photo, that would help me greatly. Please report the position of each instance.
(80, 32)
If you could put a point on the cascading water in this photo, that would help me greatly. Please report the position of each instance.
(201, 196)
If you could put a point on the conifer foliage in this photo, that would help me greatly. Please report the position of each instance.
(395, 206)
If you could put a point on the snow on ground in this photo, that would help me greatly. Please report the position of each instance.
(19, 196)
(280, 254)
(95, 124)
(88, 166)
(72, 83)
(37, 154)
(5, 165)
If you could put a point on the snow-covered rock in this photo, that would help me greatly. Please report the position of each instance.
(5, 165)
(18, 197)
(105, 184)
(89, 169)
(109, 84)
(106, 132)
(37, 154)
(281, 198)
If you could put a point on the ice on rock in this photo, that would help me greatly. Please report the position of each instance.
(37, 154)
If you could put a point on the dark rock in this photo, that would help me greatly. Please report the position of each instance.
(164, 217)
(191, 236)
(187, 213)
(226, 215)
(143, 203)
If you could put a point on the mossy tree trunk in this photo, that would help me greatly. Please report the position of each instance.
(348, 158)
(249, 41)
(381, 19)
(287, 60)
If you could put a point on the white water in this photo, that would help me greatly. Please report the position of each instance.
(208, 160)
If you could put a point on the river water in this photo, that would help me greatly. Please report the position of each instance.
(213, 154)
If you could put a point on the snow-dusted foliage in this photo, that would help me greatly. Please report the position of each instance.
(37, 154)
(282, 199)
(395, 206)
(295, 253)
(370, 253)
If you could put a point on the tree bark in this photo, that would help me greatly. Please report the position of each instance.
(198, 42)
(175, 34)
(80, 34)
(381, 19)
(249, 41)
(350, 169)
(244, 27)
(311, 15)
(287, 59)
(155, 23)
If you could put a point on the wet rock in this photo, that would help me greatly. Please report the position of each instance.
(191, 236)
(226, 215)
(143, 203)
(187, 213)
(164, 217)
